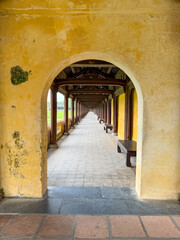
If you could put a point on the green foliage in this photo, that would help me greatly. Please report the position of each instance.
(60, 115)
(19, 76)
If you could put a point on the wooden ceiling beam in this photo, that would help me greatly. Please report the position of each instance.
(62, 90)
(86, 91)
(73, 70)
(83, 81)
(105, 75)
(76, 75)
(109, 70)
(90, 96)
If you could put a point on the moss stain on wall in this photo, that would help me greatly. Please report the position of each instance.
(16, 155)
(19, 76)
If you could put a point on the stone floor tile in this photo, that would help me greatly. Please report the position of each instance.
(138, 207)
(91, 227)
(118, 193)
(57, 225)
(160, 227)
(17, 205)
(82, 153)
(110, 207)
(3, 220)
(177, 220)
(126, 226)
(23, 225)
(77, 206)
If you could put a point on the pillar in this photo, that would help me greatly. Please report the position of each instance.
(53, 120)
(76, 113)
(80, 111)
(109, 111)
(72, 112)
(105, 112)
(115, 115)
(102, 110)
(66, 114)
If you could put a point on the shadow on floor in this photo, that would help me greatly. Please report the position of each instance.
(92, 201)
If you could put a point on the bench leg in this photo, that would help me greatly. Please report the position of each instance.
(106, 130)
(128, 162)
(118, 149)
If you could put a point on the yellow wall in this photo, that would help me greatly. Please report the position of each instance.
(140, 37)
(121, 115)
(111, 111)
(134, 115)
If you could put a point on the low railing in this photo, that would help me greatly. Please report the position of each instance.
(60, 129)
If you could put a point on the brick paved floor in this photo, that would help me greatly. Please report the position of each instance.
(88, 227)
(88, 157)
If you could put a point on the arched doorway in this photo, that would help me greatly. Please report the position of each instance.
(140, 107)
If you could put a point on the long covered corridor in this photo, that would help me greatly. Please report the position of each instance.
(88, 157)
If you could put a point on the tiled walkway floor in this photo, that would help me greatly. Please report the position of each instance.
(88, 227)
(88, 157)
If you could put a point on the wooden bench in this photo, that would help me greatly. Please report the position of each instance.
(129, 147)
(101, 120)
(108, 126)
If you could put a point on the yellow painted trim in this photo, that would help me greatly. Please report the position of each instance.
(134, 115)
(121, 115)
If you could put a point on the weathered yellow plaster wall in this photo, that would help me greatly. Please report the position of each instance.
(134, 115)
(140, 37)
(111, 111)
(121, 115)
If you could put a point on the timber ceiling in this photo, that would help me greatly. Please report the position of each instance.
(90, 81)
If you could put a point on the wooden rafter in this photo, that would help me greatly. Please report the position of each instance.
(85, 91)
(73, 70)
(84, 81)
(90, 96)
(105, 75)
(109, 70)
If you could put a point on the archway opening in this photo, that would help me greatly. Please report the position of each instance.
(106, 90)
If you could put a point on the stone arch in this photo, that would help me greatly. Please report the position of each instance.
(117, 62)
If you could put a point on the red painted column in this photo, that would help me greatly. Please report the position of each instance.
(109, 111)
(66, 114)
(72, 112)
(105, 112)
(79, 112)
(53, 120)
(76, 112)
(102, 110)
